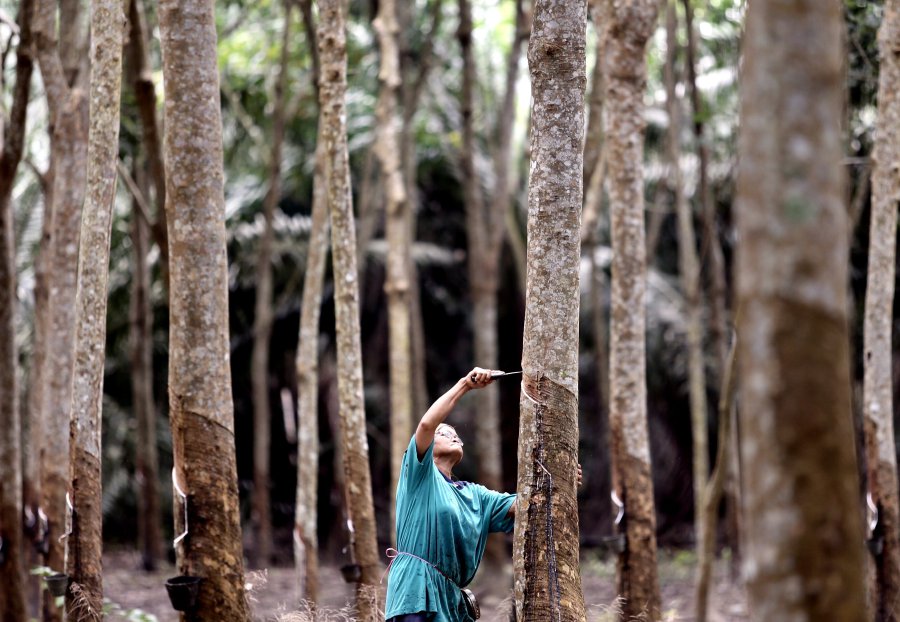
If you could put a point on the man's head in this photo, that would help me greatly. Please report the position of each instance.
(447, 443)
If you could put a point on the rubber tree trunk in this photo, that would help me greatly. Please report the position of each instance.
(200, 404)
(689, 269)
(306, 539)
(141, 73)
(415, 66)
(878, 405)
(262, 325)
(712, 251)
(12, 570)
(545, 551)
(397, 233)
(84, 598)
(141, 352)
(358, 481)
(800, 512)
(626, 75)
(68, 107)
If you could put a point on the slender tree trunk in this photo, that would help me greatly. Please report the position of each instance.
(545, 555)
(795, 417)
(718, 311)
(141, 346)
(145, 95)
(712, 495)
(12, 570)
(397, 281)
(306, 539)
(690, 283)
(84, 599)
(68, 106)
(482, 267)
(200, 403)
(332, 93)
(881, 456)
(36, 395)
(262, 329)
(626, 75)
(415, 67)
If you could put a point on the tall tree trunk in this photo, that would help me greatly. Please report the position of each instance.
(84, 599)
(68, 107)
(145, 95)
(262, 328)
(718, 311)
(690, 282)
(881, 456)
(415, 67)
(306, 539)
(397, 281)
(626, 76)
(545, 555)
(358, 481)
(200, 403)
(12, 570)
(141, 354)
(795, 418)
(36, 397)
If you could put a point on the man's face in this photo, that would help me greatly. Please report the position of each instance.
(447, 442)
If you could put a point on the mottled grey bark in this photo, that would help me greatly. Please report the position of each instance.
(331, 37)
(12, 570)
(84, 599)
(306, 539)
(200, 404)
(630, 26)
(803, 559)
(629, 30)
(878, 406)
(262, 324)
(397, 233)
(68, 107)
(545, 551)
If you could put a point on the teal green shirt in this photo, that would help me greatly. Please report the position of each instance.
(446, 523)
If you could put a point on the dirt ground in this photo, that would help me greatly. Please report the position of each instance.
(271, 594)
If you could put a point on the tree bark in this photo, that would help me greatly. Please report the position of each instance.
(145, 96)
(397, 281)
(795, 415)
(68, 108)
(262, 329)
(415, 67)
(332, 92)
(12, 570)
(141, 346)
(200, 403)
(630, 27)
(84, 598)
(712, 251)
(688, 266)
(881, 456)
(306, 539)
(545, 555)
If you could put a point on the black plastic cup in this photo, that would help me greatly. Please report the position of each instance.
(183, 591)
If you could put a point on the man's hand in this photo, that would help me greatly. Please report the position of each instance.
(478, 378)
(578, 479)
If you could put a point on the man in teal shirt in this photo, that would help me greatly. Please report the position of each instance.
(442, 524)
